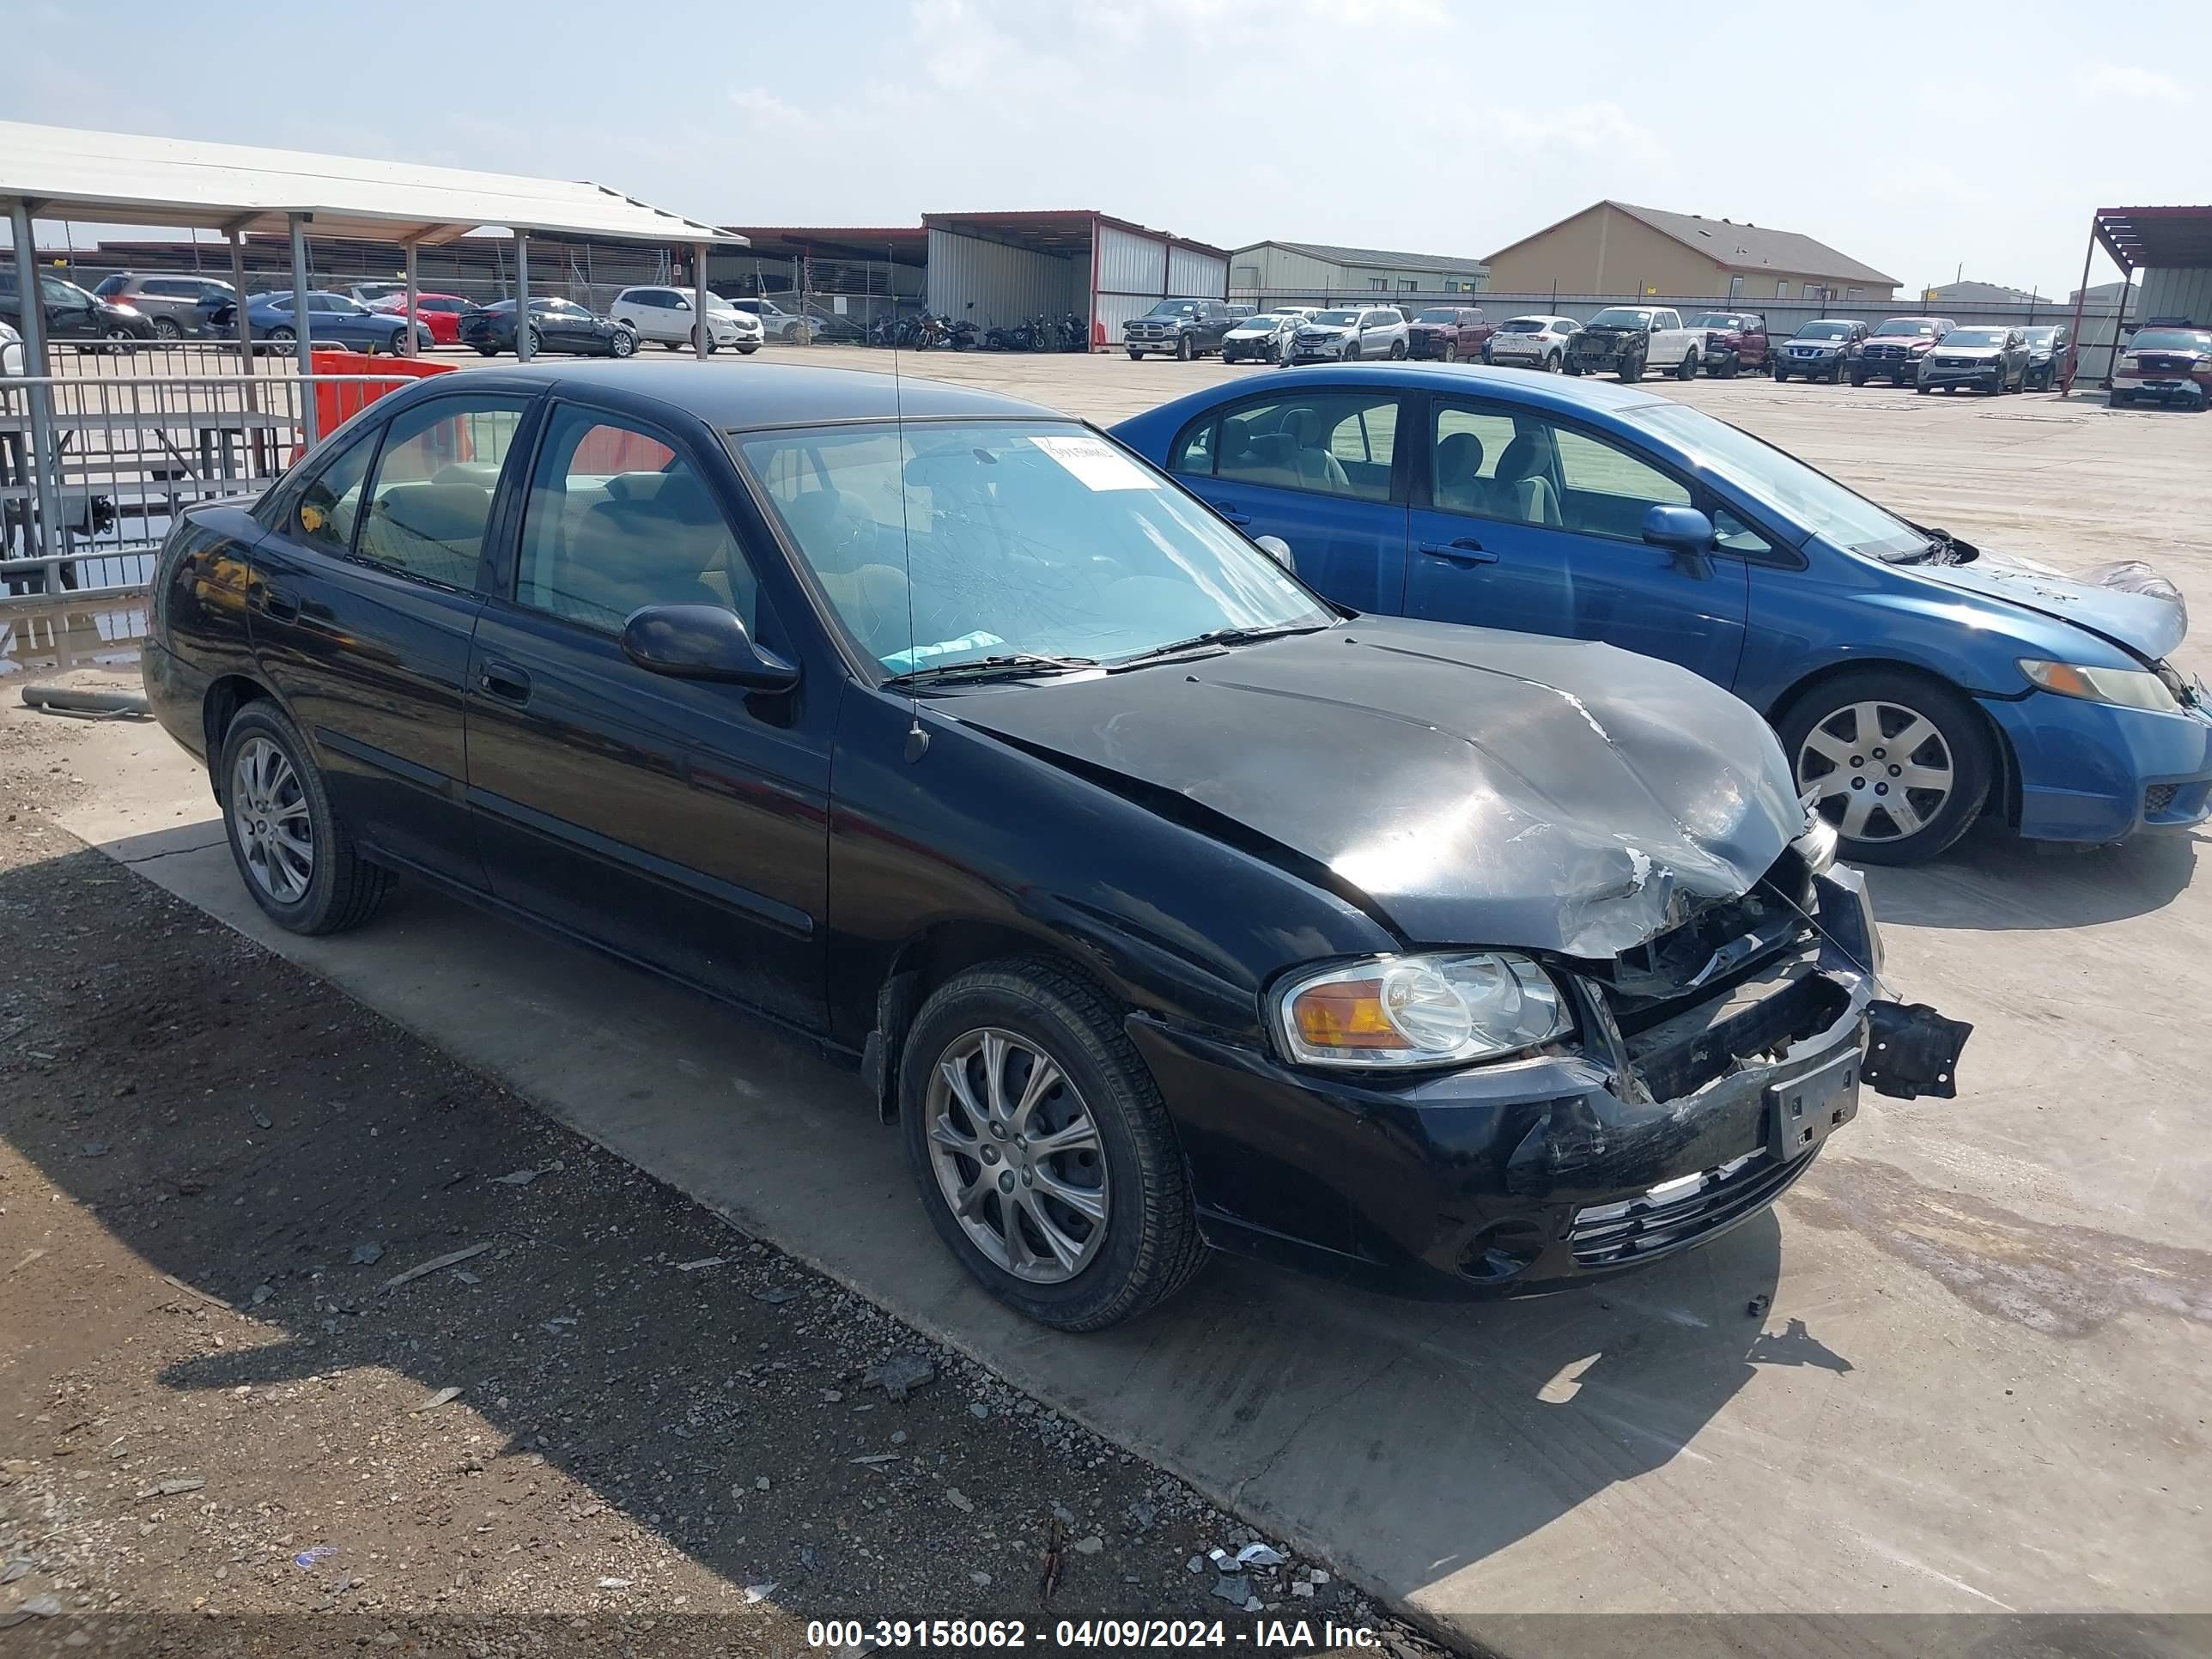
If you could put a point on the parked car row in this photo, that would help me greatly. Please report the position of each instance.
(799, 691)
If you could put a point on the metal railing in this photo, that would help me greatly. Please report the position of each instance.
(126, 453)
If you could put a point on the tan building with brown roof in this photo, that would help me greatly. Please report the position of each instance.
(1611, 247)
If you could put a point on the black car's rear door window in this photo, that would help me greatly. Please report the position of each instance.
(431, 499)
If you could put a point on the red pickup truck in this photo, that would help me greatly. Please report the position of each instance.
(1456, 334)
(1735, 341)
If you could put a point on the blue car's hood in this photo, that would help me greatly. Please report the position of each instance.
(2148, 624)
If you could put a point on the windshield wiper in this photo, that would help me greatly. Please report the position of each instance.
(1215, 638)
(1015, 665)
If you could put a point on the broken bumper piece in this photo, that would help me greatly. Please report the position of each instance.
(1531, 1175)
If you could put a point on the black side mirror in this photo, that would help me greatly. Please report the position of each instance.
(703, 643)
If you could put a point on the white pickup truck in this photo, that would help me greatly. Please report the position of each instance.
(1627, 340)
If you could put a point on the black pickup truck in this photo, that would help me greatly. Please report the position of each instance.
(1179, 328)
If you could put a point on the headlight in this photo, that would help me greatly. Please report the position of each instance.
(2128, 688)
(1817, 846)
(1420, 1011)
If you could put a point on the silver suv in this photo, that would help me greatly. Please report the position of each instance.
(176, 305)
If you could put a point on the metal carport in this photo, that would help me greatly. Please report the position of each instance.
(2170, 245)
(112, 178)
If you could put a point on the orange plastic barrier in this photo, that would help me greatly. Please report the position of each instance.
(334, 405)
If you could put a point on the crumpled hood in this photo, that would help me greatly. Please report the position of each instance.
(1478, 787)
(2147, 625)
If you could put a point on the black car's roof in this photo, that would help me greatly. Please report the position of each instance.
(781, 394)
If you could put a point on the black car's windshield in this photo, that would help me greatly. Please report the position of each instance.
(1782, 482)
(943, 543)
(1975, 337)
(1336, 318)
(1438, 314)
(1620, 317)
(1913, 326)
(1824, 331)
(2172, 339)
(1173, 309)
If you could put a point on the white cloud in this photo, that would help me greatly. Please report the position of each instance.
(2130, 80)
(762, 105)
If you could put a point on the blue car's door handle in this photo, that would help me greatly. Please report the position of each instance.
(1231, 514)
(1466, 551)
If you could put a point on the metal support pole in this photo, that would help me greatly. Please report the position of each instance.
(2081, 300)
(238, 291)
(704, 335)
(2120, 323)
(521, 298)
(302, 348)
(46, 538)
(414, 330)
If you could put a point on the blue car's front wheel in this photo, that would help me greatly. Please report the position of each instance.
(1899, 763)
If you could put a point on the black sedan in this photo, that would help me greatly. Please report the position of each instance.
(1163, 904)
(68, 313)
(555, 325)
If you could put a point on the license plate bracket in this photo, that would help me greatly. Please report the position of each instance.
(1802, 1113)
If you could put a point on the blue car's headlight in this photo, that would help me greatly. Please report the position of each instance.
(1428, 1010)
(2127, 687)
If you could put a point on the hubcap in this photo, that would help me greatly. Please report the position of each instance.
(1018, 1156)
(1878, 771)
(268, 813)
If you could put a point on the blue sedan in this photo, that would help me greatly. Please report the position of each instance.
(332, 319)
(1917, 682)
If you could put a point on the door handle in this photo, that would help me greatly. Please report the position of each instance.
(1465, 550)
(503, 679)
(268, 599)
(1232, 514)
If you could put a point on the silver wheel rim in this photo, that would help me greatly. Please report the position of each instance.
(269, 815)
(1878, 771)
(1018, 1156)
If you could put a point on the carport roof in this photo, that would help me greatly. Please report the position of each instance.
(116, 178)
(2166, 237)
(841, 241)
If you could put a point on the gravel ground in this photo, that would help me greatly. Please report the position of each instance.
(311, 1339)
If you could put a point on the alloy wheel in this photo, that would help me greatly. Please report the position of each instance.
(1018, 1156)
(269, 814)
(1878, 771)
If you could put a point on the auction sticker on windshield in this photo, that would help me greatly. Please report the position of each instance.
(1097, 463)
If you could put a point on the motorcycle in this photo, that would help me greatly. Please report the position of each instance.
(1017, 338)
(962, 336)
(1075, 335)
(932, 332)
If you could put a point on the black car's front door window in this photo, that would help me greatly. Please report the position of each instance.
(431, 501)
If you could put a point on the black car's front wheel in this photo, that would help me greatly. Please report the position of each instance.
(1898, 763)
(1041, 1148)
(292, 852)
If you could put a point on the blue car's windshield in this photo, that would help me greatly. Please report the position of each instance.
(1012, 539)
(1784, 482)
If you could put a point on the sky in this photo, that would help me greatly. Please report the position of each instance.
(1927, 139)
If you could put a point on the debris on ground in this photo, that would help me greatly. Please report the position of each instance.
(366, 1254)
(428, 1267)
(1757, 1307)
(1261, 1555)
(445, 1396)
(900, 1375)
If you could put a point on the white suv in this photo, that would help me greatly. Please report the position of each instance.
(1345, 334)
(665, 314)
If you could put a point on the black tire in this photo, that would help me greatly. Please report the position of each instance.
(1961, 726)
(1728, 370)
(1451, 351)
(345, 889)
(1632, 370)
(1152, 1246)
(1551, 363)
(1136, 356)
(283, 335)
(1923, 388)
(1397, 350)
(2121, 400)
(488, 351)
(1836, 376)
(1688, 368)
(1858, 377)
(165, 328)
(1897, 381)
(622, 344)
(1780, 373)
(1184, 351)
(536, 341)
(1574, 368)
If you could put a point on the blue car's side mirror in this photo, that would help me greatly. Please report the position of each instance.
(1684, 529)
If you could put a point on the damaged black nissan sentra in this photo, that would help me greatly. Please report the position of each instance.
(1164, 903)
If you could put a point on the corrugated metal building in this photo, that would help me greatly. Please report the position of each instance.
(1269, 271)
(2170, 248)
(1613, 248)
(995, 269)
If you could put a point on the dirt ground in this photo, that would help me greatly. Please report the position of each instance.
(231, 1420)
